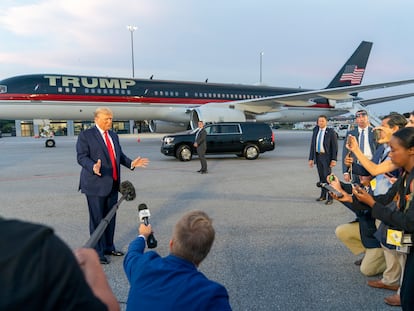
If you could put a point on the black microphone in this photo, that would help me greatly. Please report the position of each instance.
(329, 188)
(127, 190)
(144, 215)
(128, 194)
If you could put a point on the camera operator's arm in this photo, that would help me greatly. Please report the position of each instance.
(335, 183)
(95, 277)
(371, 167)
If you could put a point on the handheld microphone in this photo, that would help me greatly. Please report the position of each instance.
(144, 215)
(329, 188)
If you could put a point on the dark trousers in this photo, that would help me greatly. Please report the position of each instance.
(99, 207)
(407, 287)
(322, 164)
(202, 156)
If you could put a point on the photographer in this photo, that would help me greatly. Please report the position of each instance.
(173, 282)
(38, 271)
(402, 155)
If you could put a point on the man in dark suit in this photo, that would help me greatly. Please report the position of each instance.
(366, 140)
(100, 155)
(323, 152)
(174, 282)
(201, 145)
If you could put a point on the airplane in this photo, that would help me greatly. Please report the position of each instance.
(168, 103)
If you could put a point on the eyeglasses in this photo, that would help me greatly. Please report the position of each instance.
(361, 114)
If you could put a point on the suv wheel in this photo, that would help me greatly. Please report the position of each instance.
(184, 153)
(251, 152)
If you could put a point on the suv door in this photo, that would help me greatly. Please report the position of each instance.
(223, 138)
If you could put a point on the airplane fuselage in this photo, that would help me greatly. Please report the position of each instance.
(53, 96)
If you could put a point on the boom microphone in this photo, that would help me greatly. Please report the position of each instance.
(128, 193)
(144, 215)
(127, 190)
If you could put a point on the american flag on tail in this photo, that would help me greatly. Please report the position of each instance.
(352, 73)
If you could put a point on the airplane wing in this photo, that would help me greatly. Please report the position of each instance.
(304, 99)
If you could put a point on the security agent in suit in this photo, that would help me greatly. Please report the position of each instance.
(323, 152)
(201, 145)
(369, 144)
(174, 282)
(99, 178)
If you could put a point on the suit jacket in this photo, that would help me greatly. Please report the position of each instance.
(330, 144)
(90, 147)
(371, 139)
(201, 140)
(169, 283)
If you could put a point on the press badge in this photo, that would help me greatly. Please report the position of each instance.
(394, 237)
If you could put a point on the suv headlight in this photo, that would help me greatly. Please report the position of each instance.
(168, 140)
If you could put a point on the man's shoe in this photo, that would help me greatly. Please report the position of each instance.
(358, 262)
(320, 199)
(393, 300)
(199, 171)
(329, 202)
(203, 172)
(115, 253)
(379, 284)
(103, 260)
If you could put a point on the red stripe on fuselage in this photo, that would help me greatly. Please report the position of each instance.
(122, 99)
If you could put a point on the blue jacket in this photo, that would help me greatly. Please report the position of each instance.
(169, 283)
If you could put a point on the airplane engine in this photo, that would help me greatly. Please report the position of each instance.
(157, 126)
(212, 114)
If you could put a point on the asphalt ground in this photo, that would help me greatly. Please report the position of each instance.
(275, 246)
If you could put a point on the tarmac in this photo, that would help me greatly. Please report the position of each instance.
(275, 246)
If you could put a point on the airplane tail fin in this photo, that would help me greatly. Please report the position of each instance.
(353, 70)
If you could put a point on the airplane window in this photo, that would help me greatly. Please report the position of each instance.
(59, 89)
(161, 93)
(156, 93)
(105, 91)
(166, 93)
(99, 91)
(117, 92)
(73, 90)
(196, 94)
(176, 94)
(3, 89)
(186, 94)
(66, 90)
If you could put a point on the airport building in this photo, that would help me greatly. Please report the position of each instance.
(37, 128)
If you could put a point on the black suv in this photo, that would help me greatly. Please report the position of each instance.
(247, 139)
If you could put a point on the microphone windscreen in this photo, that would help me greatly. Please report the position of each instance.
(127, 190)
(142, 206)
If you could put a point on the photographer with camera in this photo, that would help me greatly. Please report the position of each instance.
(384, 173)
(402, 218)
(173, 282)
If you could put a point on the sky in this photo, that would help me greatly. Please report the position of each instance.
(304, 43)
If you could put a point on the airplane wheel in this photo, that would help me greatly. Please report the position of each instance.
(184, 153)
(50, 143)
(251, 152)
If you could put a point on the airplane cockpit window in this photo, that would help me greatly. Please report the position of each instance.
(3, 88)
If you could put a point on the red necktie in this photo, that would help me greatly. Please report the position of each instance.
(111, 155)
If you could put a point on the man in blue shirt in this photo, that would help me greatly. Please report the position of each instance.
(173, 282)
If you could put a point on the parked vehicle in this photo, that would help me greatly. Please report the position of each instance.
(247, 139)
(341, 130)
